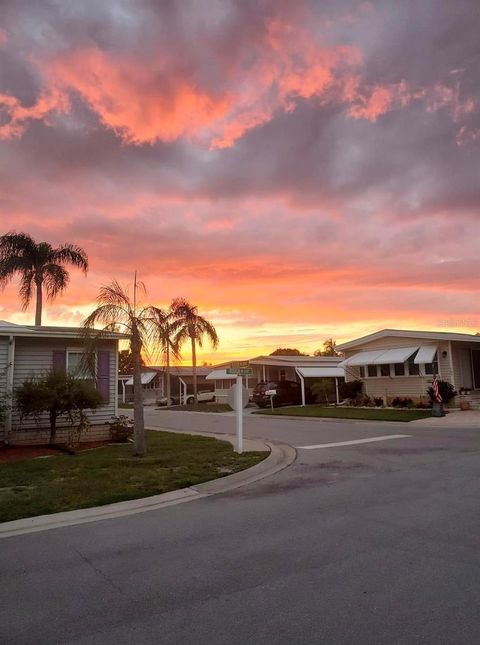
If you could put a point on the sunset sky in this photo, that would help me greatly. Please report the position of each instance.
(298, 169)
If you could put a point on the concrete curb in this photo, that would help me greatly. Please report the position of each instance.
(280, 457)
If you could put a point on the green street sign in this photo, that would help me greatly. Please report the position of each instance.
(240, 371)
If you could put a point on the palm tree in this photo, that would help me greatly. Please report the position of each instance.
(163, 329)
(39, 266)
(190, 325)
(117, 312)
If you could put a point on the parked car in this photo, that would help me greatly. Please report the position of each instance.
(280, 392)
(162, 401)
(203, 396)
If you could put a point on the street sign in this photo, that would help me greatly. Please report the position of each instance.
(240, 371)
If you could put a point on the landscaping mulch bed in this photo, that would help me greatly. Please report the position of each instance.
(10, 454)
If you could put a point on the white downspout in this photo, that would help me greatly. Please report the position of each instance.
(9, 388)
(263, 371)
(336, 389)
(302, 381)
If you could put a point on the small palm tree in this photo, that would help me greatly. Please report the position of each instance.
(163, 330)
(116, 311)
(39, 265)
(190, 325)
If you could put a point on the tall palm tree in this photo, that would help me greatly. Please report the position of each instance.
(116, 311)
(39, 265)
(190, 325)
(163, 330)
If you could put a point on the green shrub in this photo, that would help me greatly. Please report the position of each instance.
(399, 402)
(350, 389)
(446, 389)
(121, 428)
(378, 401)
(57, 393)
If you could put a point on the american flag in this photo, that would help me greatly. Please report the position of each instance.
(436, 390)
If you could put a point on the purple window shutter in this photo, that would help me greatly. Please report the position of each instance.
(59, 362)
(103, 375)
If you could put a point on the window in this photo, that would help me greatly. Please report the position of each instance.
(362, 371)
(413, 368)
(432, 368)
(282, 375)
(399, 369)
(384, 370)
(372, 370)
(76, 366)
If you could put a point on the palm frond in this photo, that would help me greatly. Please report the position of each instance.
(26, 287)
(70, 254)
(10, 265)
(55, 279)
(13, 243)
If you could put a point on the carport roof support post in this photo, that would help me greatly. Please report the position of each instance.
(302, 383)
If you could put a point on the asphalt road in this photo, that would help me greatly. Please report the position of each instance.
(372, 543)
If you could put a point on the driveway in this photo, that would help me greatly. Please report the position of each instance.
(362, 543)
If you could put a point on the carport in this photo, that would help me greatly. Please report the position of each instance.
(319, 372)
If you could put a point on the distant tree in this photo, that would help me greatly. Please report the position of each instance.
(287, 351)
(329, 348)
(39, 265)
(190, 325)
(125, 362)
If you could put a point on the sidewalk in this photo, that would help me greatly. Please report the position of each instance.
(457, 419)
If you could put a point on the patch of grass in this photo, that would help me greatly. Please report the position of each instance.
(112, 474)
(367, 414)
(201, 407)
(125, 406)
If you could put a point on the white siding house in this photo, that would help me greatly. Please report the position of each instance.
(32, 351)
(401, 363)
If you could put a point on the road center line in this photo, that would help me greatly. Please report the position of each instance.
(352, 443)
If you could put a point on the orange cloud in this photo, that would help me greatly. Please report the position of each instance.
(146, 103)
(49, 102)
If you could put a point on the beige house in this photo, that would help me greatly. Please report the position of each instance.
(397, 362)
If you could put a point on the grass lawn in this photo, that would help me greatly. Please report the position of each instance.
(125, 406)
(368, 414)
(200, 407)
(111, 474)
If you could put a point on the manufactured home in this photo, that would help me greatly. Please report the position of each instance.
(28, 351)
(401, 363)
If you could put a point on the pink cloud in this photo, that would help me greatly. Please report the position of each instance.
(51, 101)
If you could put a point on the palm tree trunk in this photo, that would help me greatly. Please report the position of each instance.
(140, 446)
(194, 370)
(38, 306)
(168, 376)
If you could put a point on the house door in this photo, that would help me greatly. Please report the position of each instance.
(465, 367)
(476, 368)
